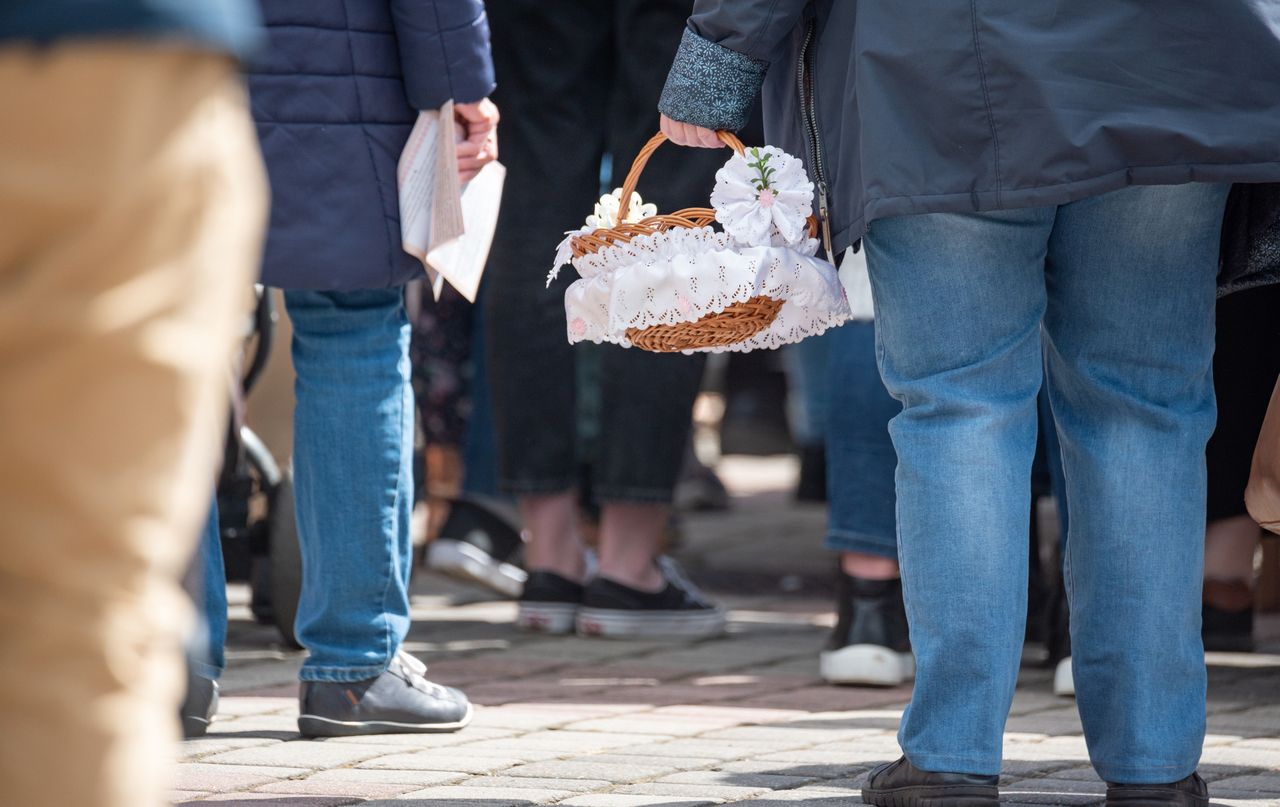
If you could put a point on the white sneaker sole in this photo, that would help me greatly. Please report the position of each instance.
(1064, 681)
(316, 726)
(618, 624)
(546, 617)
(466, 561)
(866, 665)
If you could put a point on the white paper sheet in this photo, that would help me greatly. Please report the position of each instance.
(447, 226)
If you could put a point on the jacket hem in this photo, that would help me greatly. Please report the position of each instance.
(1048, 195)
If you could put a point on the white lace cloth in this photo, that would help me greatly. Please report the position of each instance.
(682, 275)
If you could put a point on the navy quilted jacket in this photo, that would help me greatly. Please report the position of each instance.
(334, 96)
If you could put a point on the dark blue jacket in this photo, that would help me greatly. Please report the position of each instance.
(918, 106)
(335, 94)
(227, 24)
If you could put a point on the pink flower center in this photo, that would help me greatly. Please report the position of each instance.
(767, 197)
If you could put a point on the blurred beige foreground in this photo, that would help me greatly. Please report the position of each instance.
(742, 720)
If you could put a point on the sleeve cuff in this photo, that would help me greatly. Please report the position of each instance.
(710, 85)
(439, 66)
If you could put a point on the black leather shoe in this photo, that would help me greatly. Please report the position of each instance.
(1190, 792)
(901, 784)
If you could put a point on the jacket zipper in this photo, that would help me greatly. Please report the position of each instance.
(808, 103)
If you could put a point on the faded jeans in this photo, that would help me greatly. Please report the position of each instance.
(353, 484)
(1110, 301)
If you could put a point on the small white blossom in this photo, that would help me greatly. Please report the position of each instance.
(606, 212)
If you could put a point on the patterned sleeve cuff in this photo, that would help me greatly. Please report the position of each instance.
(710, 85)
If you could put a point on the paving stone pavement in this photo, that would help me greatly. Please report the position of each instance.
(743, 719)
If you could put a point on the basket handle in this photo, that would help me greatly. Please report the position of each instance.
(642, 159)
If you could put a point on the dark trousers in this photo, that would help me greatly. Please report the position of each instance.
(1245, 366)
(579, 80)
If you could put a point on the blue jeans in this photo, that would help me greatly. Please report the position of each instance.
(860, 458)
(207, 654)
(353, 477)
(1110, 301)
(353, 483)
(860, 455)
(810, 387)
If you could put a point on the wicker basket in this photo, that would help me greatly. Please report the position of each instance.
(737, 323)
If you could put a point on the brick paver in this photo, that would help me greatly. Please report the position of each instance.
(741, 720)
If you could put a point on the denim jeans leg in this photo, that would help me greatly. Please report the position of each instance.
(860, 456)
(353, 449)
(207, 656)
(959, 301)
(807, 366)
(1129, 347)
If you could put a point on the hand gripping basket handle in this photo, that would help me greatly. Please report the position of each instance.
(642, 159)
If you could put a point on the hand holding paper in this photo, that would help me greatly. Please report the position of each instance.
(444, 224)
(479, 145)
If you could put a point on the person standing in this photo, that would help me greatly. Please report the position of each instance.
(1040, 190)
(576, 82)
(132, 205)
(332, 137)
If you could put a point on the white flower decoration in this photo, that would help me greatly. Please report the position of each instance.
(606, 212)
(764, 198)
(604, 217)
(564, 252)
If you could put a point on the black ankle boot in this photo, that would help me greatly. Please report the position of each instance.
(901, 784)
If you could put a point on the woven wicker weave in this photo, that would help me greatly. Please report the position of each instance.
(736, 323)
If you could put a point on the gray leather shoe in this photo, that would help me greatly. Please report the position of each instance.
(400, 701)
(199, 706)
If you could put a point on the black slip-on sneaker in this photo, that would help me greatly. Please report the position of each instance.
(549, 603)
(679, 609)
(870, 645)
(1189, 792)
(901, 784)
(479, 543)
(400, 701)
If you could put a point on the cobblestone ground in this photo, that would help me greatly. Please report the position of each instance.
(743, 719)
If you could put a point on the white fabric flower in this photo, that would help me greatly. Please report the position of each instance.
(764, 197)
(606, 212)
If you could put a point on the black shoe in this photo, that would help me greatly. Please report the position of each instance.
(400, 701)
(678, 610)
(1227, 616)
(199, 706)
(549, 603)
(901, 784)
(1190, 792)
(870, 645)
(478, 543)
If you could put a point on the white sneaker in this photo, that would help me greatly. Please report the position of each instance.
(866, 665)
(870, 645)
(1064, 682)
